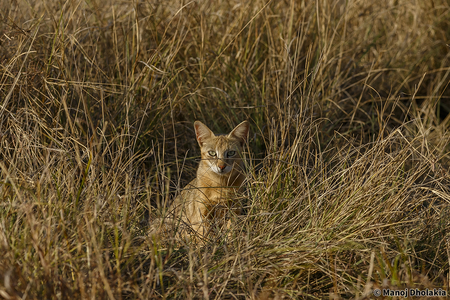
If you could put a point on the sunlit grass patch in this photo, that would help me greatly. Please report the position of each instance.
(347, 184)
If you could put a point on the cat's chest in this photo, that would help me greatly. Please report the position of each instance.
(215, 195)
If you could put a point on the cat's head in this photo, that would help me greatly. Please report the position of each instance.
(221, 152)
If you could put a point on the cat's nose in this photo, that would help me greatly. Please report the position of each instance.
(222, 166)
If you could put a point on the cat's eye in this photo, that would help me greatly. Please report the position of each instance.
(231, 153)
(212, 153)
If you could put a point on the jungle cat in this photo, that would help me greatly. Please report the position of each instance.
(210, 196)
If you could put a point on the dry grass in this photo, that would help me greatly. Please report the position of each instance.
(348, 183)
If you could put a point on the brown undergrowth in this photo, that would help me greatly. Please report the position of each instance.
(347, 187)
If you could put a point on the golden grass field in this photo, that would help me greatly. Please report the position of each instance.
(348, 185)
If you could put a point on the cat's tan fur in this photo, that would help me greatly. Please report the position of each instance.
(210, 196)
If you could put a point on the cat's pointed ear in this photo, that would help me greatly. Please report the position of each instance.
(202, 132)
(241, 132)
